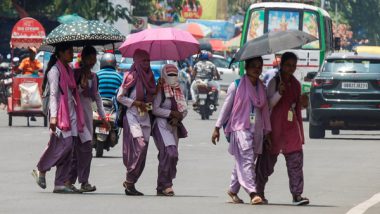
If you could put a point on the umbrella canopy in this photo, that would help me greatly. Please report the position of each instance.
(218, 45)
(161, 44)
(199, 31)
(273, 42)
(66, 19)
(83, 33)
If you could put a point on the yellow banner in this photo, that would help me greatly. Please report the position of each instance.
(209, 9)
(199, 9)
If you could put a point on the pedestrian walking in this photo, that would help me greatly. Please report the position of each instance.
(136, 93)
(66, 120)
(285, 101)
(245, 115)
(169, 109)
(87, 84)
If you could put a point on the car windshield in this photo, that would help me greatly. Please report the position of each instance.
(352, 66)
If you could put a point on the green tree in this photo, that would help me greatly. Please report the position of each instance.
(89, 9)
(362, 16)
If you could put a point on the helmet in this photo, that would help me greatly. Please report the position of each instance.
(108, 60)
(204, 55)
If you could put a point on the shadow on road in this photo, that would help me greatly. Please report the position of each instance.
(289, 205)
(355, 138)
(105, 157)
(176, 196)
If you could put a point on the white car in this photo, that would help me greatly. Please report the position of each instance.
(227, 75)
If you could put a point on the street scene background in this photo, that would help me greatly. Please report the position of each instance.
(340, 172)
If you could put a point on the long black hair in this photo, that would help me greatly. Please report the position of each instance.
(288, 56)
(61, 47)
(88, 51)
(249, 61)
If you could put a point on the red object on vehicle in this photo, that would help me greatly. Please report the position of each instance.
(27, 32)
(16, 94)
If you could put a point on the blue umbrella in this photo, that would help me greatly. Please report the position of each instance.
(66, 19)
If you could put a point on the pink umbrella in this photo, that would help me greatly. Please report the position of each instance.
(161, 44)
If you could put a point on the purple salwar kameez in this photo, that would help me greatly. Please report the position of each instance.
(59, 149)
(243, 145)
(82, 153)
(166, 139)
(287, 137)
(136, 133)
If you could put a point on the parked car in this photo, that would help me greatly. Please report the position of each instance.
(156, 66)
(345, 94)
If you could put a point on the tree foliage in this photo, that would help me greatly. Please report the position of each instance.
(362, 16)
(89, 9)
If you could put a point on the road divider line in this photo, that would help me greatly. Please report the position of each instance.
(364, 206)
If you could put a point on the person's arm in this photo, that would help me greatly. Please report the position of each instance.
(299, 113)
(225, 112)
(21, 67)
(53, 78)
(98, 99)
(157, 110)
(123, 99)
(273, 95)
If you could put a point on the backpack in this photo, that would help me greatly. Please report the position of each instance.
(237, 81)
(120, 109)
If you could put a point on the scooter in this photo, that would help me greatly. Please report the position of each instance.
(104, 139)
(207, 100)
(5, 82)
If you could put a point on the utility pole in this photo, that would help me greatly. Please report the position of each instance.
(323, 4)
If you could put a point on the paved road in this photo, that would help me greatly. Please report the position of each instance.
(340, 172)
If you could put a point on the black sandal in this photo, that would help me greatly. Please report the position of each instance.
(235, 198)
(131, 190)
(165, 193)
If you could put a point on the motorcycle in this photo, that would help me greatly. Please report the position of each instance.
(207, 100)
(104, 139)
(5, 82)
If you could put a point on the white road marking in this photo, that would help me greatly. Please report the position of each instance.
(364, 206)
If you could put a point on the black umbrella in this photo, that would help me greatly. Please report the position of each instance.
(82, 33)
(273, 42)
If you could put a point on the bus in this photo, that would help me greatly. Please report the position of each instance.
(279, 16)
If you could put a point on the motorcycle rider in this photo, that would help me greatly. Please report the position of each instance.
(204, 72)
(109, 79)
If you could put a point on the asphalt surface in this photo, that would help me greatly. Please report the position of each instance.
(341, 172)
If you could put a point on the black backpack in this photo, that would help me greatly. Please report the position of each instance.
(120, 109)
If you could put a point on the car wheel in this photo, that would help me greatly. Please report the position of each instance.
(316, 132)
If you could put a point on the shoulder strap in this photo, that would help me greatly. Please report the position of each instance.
(163, 97)
(277, 81)
(237, 81)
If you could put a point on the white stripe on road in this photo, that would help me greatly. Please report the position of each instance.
(364, 206)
